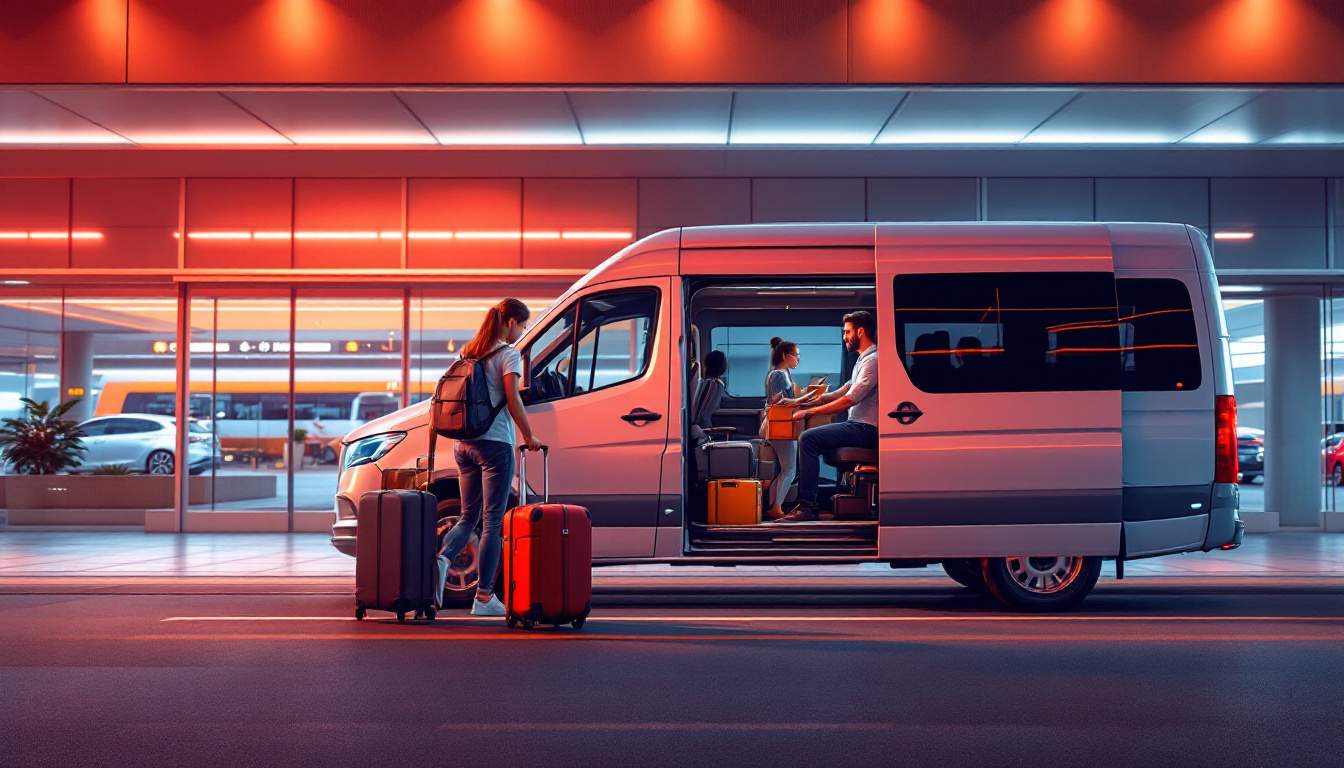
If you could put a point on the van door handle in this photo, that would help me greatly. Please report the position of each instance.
(640, 416)
(906, 413)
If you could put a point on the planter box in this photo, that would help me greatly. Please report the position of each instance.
(204, 521)
(130, 492)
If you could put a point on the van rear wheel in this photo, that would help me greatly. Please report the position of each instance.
(1041, 583)
(967, 573)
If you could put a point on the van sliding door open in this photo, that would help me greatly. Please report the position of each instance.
(999, 392)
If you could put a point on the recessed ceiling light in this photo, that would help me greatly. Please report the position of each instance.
(1233, 235)
(17, 282)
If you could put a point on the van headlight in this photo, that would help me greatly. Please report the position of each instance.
(369, 449)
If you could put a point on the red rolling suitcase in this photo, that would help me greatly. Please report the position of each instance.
(396, 544)
(548, 558)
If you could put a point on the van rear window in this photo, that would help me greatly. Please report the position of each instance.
(1160, 350)
(1008, 332)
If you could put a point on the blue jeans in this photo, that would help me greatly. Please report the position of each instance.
(818, 440)
(786, 452)
(484, 475)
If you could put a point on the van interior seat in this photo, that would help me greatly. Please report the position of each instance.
(850, 455)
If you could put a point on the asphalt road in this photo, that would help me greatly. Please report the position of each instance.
(1172, 674)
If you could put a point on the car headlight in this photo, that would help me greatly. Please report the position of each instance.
(369, 449)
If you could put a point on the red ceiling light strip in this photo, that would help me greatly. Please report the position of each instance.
(79, 234)
(415, 234)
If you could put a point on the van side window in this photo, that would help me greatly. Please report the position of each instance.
(613, 345)
(1160, 351)
(615, 338)
(1008, 332)
(550, 354)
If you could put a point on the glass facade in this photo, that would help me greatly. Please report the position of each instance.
(264, 434)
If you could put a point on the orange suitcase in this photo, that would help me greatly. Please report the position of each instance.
(734, 502)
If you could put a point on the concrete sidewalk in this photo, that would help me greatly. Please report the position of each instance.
(109, 555)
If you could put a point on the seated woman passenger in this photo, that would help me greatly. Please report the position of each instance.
(708, 395)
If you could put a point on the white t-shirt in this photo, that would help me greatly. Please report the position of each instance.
(506, 361)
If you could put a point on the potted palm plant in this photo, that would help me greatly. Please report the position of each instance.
(42, 441)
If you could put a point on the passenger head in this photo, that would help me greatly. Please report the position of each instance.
(504, 322)
(860, 330)
(783, 353)
(716, 364)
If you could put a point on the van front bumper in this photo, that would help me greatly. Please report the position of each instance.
(343, 536)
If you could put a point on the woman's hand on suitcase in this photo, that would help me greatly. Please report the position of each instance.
(531, 443)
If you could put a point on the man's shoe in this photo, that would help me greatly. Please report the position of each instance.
(491, 607)
(803, 513)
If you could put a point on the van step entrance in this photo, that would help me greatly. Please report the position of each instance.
(797, 539)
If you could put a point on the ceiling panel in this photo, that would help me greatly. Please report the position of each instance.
(971, 117)
(653, 117)
(673, 117)
(336, 117)
(29, 119)
(1281, 117)
(498, 117)
(168, 117)
(1135, 117)
(811, 116)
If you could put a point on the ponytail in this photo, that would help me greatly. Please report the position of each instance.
(493, 327)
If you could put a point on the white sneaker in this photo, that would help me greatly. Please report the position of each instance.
(491, 607)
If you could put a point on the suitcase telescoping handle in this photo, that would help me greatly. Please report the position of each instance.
(545, 474)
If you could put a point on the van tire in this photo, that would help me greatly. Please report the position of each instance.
(968, 573)
(1041, 583)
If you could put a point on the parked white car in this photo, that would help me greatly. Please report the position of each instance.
(143, 442)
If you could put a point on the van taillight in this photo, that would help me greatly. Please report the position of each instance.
(1225, 439)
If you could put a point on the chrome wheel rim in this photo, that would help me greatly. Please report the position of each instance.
(161, 463)
(462, 574)
(1044, 575)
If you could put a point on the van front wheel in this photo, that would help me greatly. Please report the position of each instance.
(1041, 583)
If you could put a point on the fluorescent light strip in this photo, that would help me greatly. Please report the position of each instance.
(594, 235)
(1233, 235)
(334, 235)
(52, 235)
(507, 234)
(219, 235)
(485, 234)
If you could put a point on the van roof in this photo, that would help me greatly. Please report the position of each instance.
(669, 252)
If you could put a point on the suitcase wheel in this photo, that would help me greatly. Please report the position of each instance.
(511, 622)
(401, 617)
(431, 612)
(359, 613)
(578, 623)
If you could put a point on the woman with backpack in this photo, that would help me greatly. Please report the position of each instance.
(485, 463)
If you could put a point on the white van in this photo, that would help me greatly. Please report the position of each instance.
(1050, 396)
